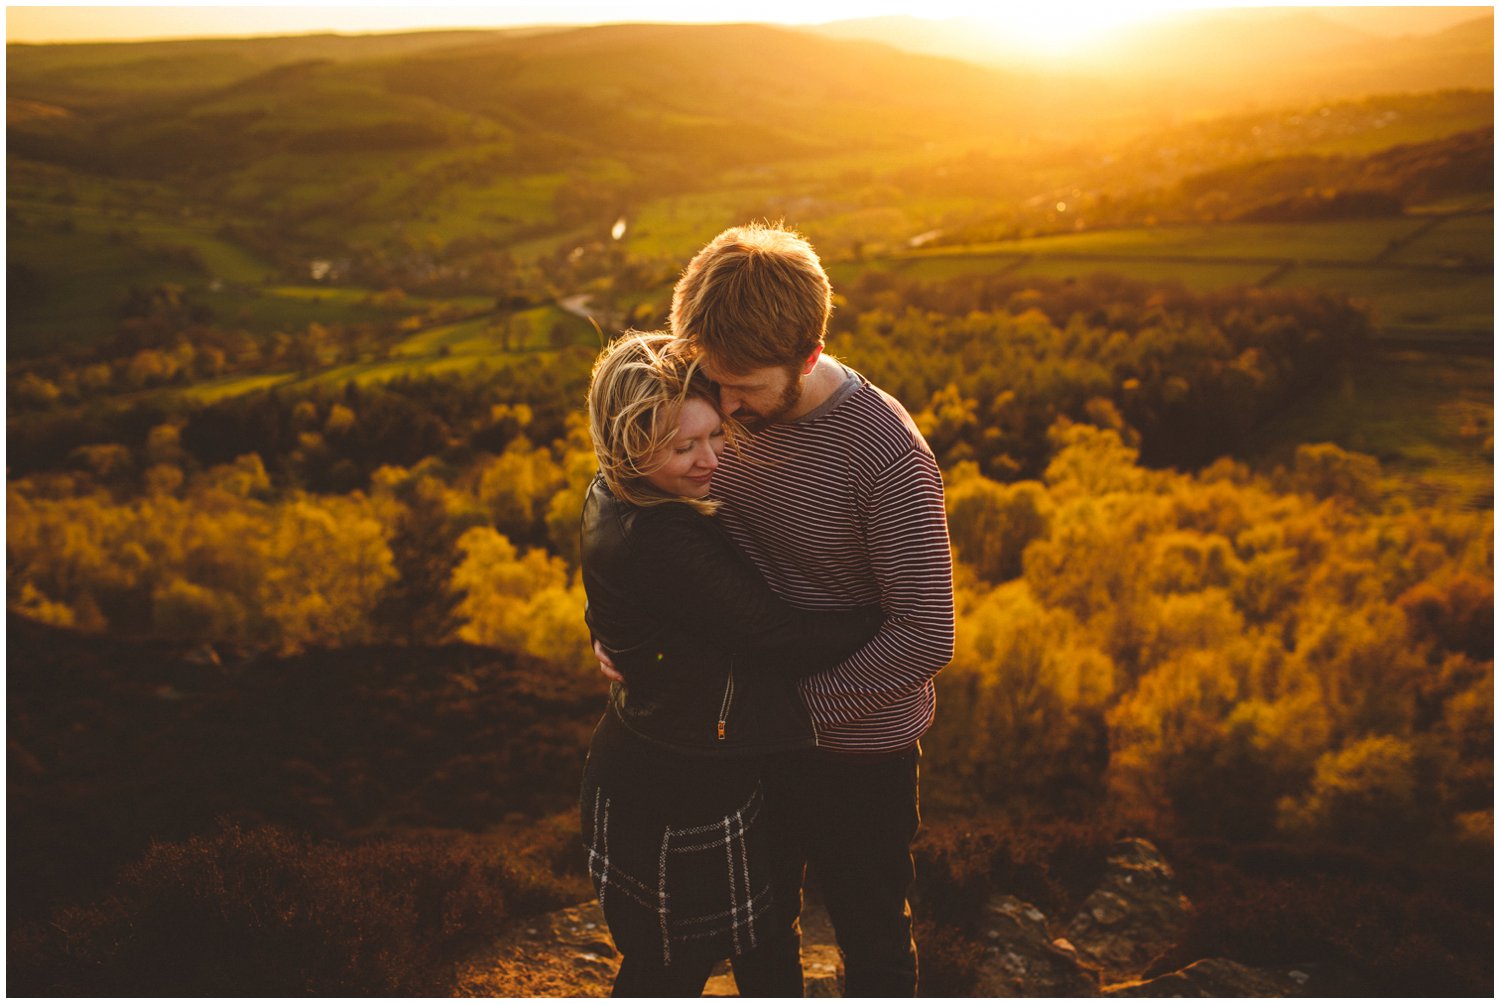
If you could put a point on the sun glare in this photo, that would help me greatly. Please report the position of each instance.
(1061, 31)
(1048, 31)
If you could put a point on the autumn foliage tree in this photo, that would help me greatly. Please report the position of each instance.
(1215, 654)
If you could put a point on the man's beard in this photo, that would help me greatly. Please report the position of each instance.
(755, 421)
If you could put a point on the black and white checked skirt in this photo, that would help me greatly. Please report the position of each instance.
(674, 887)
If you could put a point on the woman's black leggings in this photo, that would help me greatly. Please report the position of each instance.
(642, 976)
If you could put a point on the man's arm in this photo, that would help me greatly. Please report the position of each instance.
(907, 537)
(711, 590)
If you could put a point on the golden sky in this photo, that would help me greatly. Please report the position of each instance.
(1053, 23)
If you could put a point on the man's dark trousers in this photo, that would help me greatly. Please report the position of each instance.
(850, 820)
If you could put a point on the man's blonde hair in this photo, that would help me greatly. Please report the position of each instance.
(639, 384)
(754, 296)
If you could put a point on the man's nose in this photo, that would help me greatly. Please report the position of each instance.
(730, 402)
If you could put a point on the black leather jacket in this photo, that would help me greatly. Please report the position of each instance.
(709, 653)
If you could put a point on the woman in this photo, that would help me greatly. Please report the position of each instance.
(671, 803)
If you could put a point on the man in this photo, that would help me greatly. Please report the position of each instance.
(839, 502)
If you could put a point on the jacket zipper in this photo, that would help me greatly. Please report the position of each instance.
(724, 707)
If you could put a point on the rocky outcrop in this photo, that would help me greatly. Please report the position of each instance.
(1022, 959)
(1135, 916)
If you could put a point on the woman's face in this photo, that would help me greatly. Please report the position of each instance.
(688, 462)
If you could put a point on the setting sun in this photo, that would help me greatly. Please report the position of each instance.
(1058, 32)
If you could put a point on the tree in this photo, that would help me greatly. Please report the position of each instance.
(520, 602)
(1366, 793)
(326, 566)
(1327, 471)
(990, 524)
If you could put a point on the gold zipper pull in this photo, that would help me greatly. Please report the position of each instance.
(724, 705)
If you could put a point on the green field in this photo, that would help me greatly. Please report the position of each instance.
(78, 281)
(1458, 240)
(209, 391)
(481, 336)
(1345, 240)
(1406, 300)
(497, 208)
(675, 227)
(73, 205)
(79, 264)
(464, 346)
(1427, 416)
(1198, 276)
(224, 261)
(82, 246)
(1438, 283)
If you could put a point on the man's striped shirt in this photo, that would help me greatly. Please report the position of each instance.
(840, 508)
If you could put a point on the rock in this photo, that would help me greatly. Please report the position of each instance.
(1216, 978)
(1136, 915)
(822, 970)
(1022, 959)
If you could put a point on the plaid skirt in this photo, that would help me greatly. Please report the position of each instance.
(677, 890)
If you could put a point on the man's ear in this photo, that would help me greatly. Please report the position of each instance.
(812, 360)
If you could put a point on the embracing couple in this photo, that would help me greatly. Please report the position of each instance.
(769, 584)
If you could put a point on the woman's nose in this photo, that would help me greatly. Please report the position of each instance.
(708, 456)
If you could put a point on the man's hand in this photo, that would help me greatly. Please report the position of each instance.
(606, 664)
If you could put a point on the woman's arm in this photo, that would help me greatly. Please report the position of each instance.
(710, 588)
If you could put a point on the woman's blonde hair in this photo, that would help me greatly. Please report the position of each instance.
(639, 384)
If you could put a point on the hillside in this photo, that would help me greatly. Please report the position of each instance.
(114, 744)
(1203, 61)
(307, 177)
(404, 168)
(636, 91)
(399, 821)
(103, 75)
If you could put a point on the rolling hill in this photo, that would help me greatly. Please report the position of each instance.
(486, 163)
(1213, 61)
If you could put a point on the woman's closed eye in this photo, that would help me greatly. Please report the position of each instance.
(687, 447)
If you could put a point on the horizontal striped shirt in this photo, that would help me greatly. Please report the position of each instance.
(840, 508)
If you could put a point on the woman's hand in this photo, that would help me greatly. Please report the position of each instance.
(606, 664)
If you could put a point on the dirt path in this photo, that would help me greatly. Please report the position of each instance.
(569, 954)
